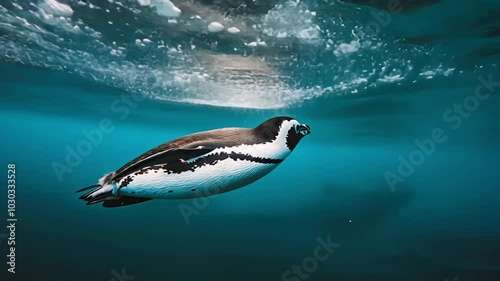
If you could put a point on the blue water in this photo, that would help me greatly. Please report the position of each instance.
(368, 97)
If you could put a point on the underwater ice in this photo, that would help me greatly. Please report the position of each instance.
(163, 7)
(215, 27)
(233, 30)
(57, 9)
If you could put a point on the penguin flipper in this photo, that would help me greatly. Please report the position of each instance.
(163, 157)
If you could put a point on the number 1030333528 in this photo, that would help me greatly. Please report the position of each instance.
(11, 186)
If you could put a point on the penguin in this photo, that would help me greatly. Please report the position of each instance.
(200, 164)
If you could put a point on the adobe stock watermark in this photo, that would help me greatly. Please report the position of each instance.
(310, 264)
(455, 279)
(123, 276)
(94, 137)
(454, 118)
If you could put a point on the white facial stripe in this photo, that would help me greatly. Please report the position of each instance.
(273, 150)
(276, 149)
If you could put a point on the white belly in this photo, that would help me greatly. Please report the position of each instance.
(226, 175)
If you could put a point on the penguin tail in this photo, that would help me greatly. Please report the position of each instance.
(104, 192)
(99, 193)
(105, 195)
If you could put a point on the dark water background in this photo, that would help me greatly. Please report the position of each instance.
(367, 101)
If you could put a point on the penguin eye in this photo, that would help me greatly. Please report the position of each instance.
(297, 128)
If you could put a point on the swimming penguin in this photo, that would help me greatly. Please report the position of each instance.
(200, 164)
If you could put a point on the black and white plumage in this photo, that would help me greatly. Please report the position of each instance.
(200, 164)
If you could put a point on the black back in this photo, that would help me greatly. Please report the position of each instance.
(269, 130)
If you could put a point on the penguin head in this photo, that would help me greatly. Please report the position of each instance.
(282, 129)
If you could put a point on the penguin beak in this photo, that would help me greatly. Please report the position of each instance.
(304, 129)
